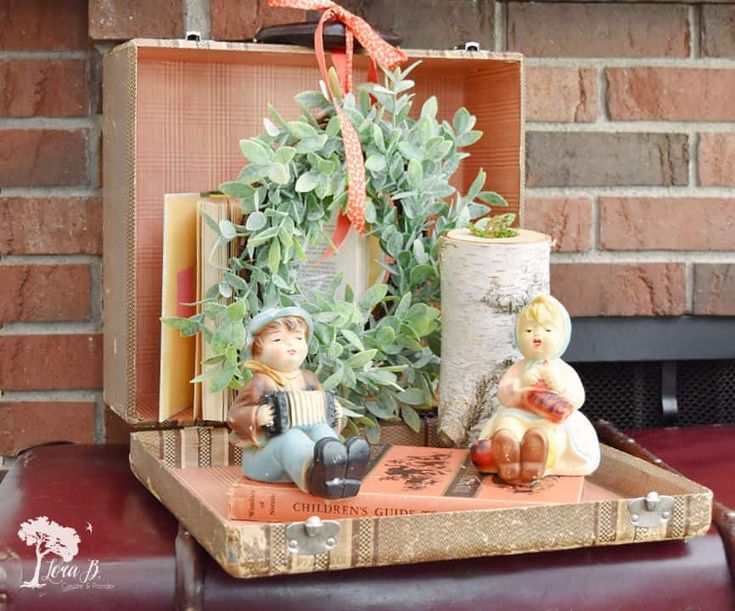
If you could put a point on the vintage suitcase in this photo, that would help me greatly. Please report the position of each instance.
(174, 114)
(142, 564)
(614, 510)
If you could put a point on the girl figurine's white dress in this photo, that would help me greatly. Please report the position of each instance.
(541, 392)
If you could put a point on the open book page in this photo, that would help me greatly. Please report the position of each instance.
(178, 288)
(212, 263)
(355, 259)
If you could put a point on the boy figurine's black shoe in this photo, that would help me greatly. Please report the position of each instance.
(326, 474)
(358, 458)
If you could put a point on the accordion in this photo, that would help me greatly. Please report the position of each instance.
(301, 408)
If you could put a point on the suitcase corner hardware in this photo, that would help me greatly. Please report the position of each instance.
(651, 511)
(315, 536)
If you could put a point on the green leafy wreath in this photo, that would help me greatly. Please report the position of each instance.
(378, 351)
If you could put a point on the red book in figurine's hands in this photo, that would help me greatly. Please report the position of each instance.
(547, 403)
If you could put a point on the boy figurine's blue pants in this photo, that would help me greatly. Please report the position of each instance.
(284, 457)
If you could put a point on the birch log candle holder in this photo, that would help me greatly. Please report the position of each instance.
(484, 283)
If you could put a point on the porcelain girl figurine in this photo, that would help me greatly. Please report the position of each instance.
(539, 430)
(312, 456)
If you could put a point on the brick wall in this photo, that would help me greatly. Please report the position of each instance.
(630, 151)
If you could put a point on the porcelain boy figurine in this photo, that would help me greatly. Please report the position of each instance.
(539, 430)
(311, 456)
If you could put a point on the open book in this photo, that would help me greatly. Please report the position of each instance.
(191, 264)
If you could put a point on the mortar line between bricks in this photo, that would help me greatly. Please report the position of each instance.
(633, 257)
(694, 160)
(501, 25)
(695, 29)
(95, 292)
(630, 62)
(50, 328)
(623, 191)
(94, 138)
(44, 55)
(59, 123)
(603, 117)
(43, 192)
(99, 420)
(595, 228)
(689, 286)
(50, 259)
(18, 396)
(633, 127)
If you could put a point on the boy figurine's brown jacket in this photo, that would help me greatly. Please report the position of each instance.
(242, 417)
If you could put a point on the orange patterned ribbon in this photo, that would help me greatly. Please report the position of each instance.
(382, 53)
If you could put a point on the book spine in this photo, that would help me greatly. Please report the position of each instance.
(269, 504)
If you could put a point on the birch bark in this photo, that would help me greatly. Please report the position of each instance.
(485, 283)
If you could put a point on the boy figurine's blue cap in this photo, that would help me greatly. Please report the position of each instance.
(267, 316)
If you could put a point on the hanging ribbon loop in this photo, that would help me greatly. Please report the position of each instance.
(381, 52)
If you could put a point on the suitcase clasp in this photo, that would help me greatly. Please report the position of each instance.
(315, 536)
(651, 511)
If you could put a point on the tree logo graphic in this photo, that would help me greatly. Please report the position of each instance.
(48, 537)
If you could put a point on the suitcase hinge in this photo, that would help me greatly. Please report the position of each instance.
(311, 537)
(651, 511)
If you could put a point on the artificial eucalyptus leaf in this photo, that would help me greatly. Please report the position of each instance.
(411, 417)
(311, 99)
(415, 173)
(430, 108)
(256, 221)
(301, 129)
(235, 189)
(410, 151)
(278, 173)
(439, 150)
(469, 138)
(492, 198)
(374, 295)
(383, 412)
(225, 290)
(222, 377)
(312, 144)
(284, 154)
(252, 173)
(361, 359)
(227, 229)
(274, 256)
(307, 182)
(372, 433)
(412, 396)
(256, 151)
(352, 337)
(375, 163)
(271, 128)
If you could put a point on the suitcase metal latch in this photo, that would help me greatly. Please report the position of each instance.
(651, 511)
(311, 537)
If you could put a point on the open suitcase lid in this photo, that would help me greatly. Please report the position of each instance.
(174, 113)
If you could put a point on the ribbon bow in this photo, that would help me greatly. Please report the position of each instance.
(381, 52)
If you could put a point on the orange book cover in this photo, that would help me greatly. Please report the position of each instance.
(401, 480)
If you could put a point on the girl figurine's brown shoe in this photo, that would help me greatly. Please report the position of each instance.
(534, 451)
(507, 455)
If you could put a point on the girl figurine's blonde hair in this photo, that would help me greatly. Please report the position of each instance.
(546, 309)
(543, 309)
